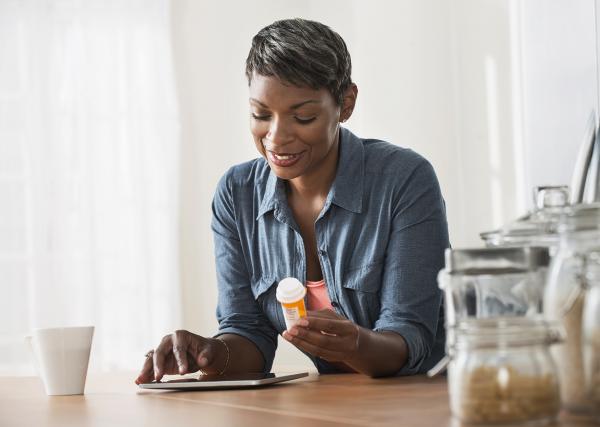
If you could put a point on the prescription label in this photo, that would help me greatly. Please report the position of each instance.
(292, 314)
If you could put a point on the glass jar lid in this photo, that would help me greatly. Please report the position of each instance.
(506, 332)
(592, 269)
(538, 227)
(582, 217)
(496, 260)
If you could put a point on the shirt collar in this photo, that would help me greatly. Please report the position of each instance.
(347, 188)
(274, 194)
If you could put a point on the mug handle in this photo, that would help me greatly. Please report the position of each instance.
(29, 343)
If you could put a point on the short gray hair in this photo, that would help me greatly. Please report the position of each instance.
(303, 53)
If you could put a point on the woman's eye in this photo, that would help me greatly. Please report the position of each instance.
(258, 117)
(265, 117)
(305, 121)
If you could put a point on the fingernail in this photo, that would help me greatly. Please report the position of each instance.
(293, 331)
(203, 361)
(303, 322)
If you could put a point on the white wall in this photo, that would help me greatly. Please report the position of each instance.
(446, 79)
(211, 42)
(560, 85)
(484, 77)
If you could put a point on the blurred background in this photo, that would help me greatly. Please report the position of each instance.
(118, 117)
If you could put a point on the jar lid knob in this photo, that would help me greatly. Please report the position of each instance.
(551, 196)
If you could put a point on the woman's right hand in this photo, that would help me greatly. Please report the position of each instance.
(181, 352)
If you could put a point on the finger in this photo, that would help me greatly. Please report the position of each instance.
(164, 348)
(146, 374)
(338, 343)
(325, 313)
(204, 358)
(332, 326)
(202, 353)
(323, 353)
(180, 349)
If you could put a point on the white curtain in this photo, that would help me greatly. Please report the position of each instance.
(89, 171)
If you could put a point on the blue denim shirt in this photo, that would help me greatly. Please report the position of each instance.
(380, 237)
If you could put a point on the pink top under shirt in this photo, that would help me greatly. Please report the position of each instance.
(316, 296)
(317, 299)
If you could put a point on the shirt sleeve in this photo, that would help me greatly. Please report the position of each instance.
(237, 310)
(410, 297)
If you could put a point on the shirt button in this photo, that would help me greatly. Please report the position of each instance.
(334, 304)
(322, 252)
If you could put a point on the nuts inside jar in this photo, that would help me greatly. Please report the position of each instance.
(594, 370)
(503, 394)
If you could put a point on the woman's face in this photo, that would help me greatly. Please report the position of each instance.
(294, 128)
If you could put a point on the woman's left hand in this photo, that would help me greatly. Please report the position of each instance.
(325, 334)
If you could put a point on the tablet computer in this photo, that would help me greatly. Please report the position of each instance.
(207, 382)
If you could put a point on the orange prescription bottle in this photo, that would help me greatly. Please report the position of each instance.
(290, 293)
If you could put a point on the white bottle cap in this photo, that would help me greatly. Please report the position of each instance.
(290, 290)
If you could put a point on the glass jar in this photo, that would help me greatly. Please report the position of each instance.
(490, 283)
(493, 282)
(572, 270)
(537, 228)
(591, 333)
(501, 371)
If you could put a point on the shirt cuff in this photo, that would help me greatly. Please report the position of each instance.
(418, 351)
(266, 346)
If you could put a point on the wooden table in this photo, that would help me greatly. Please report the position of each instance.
(328, 400)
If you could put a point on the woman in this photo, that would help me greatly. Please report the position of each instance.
(361, 222)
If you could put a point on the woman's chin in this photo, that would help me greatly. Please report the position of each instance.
(285, 172)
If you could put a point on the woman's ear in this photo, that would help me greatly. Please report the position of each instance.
(348, 102)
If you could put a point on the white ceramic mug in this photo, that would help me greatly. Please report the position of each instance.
(62, 356)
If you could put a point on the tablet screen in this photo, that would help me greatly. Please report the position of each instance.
(220, 378)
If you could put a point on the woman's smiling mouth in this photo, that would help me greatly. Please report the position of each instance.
(284, 160)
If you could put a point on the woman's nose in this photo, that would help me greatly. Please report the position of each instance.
(279, 133)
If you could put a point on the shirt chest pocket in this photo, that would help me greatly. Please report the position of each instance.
(361, 286)
(264, 290)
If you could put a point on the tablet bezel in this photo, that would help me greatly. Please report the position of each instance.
(221, 384)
